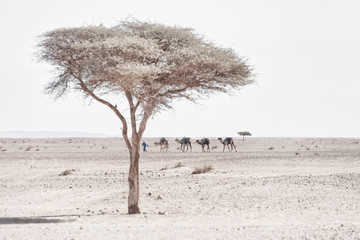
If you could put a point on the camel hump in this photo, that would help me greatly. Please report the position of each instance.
(185, 140)
(227, 140)
(205, 141)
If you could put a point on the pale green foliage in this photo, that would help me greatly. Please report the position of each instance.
(152, 62)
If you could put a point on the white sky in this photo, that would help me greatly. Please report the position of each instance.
(306, 55)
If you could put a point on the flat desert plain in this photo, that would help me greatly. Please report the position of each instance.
(271, 188)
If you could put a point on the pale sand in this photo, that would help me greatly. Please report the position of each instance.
(269, 189)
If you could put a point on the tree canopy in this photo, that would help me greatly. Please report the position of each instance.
(244, 133)
(152, 62)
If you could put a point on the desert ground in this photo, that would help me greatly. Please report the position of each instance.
(271, 188)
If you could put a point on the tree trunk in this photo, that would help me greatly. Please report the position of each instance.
(133, 199)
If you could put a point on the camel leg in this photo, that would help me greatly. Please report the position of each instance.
(234, 147)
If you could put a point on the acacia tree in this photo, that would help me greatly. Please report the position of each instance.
(146, 64)
(244, 133)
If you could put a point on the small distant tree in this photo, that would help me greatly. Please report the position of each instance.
(146, 64)
(245, 133)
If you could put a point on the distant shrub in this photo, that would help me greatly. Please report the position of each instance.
(204, 169)
(179, 165)
(164, 168)
(67, 172)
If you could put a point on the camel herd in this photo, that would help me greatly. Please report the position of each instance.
(185, 144)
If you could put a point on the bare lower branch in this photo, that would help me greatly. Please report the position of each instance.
(112, 107)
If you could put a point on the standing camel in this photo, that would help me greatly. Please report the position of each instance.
(164, 144)
(184, 142)
(228, 141)
(203, 142)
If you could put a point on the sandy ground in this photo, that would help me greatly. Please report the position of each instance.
(270, 189)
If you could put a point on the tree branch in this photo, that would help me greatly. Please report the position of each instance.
(112, 107)
(132, 115)
(148, 110)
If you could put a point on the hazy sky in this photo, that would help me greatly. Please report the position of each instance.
(306, 55)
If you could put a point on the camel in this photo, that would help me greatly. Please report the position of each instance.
(228, 141)
(184, 142)
(203, 142)
(164, 144)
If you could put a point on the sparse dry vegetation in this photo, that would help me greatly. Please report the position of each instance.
(205, 169)
(67, 172)
(179, 165)
(164, 168)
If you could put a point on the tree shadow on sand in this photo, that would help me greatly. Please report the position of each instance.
(36, 220)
